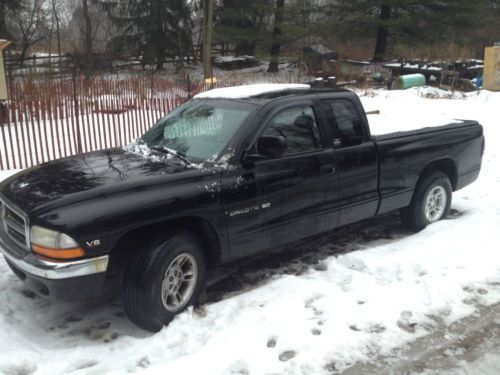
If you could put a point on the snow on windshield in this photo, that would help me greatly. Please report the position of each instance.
(140, 148)
(247, 91)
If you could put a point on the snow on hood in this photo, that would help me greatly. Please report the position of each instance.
(247, 91)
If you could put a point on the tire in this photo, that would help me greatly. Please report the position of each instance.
(431, 189)
(151, 280)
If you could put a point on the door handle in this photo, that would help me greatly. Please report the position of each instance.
(327, 169)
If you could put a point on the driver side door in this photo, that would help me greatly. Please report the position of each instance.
(280, 199)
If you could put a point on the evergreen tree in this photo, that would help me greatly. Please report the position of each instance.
(5, 6)
(241, 24)
(276, 42)
(411, 21)
(154, 28)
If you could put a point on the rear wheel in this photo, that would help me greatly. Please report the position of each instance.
(163, 279)
(430, 203)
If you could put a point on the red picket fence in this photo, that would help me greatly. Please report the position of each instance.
(50, 120)
(46, 120)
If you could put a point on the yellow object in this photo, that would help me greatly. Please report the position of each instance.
(491, 69)
(3, 86)
(210, 80)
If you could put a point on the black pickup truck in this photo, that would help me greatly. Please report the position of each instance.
(219, 178)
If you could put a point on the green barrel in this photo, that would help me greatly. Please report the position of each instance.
(409, 80)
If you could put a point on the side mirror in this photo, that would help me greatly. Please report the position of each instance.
(271, 146)
(268, 146)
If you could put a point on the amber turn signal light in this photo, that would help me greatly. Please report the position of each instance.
(77, 252)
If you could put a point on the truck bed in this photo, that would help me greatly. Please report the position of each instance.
(403, 156)
(425, 130)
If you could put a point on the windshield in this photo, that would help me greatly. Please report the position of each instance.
(197, 130)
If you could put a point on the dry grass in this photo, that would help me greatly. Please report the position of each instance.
(435, 51)
(363, 49)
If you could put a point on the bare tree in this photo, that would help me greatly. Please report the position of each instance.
(276, 42)
(208, 11)
(88, 36)
(90, 33)
(28, 21)
(56, 22)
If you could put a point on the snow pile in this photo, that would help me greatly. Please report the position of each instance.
(229, 59)
(247, 91)
(411, 109)
(316, 314)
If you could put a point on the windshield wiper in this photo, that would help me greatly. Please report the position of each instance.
(169, 151)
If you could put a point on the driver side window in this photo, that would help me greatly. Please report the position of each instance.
(298, 127)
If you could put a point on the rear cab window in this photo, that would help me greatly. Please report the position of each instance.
(345, 121)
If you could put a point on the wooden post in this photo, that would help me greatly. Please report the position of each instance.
(208, 10)
(76, 114)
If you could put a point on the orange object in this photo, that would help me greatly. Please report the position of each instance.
(77, 252)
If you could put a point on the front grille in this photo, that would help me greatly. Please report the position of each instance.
(14, 224)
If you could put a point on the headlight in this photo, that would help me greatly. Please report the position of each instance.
(54, 244)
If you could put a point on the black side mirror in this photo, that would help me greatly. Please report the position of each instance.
(271, 146)
(268, 146)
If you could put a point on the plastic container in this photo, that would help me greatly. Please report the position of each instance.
(409, 80)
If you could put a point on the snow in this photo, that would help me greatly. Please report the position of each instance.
(29, 142)
(228, 59)
(323, 305)
(410, 109)
(247, 91)
(413, 66)
(138, 147)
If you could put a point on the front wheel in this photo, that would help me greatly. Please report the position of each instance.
(430, 203)
(163, 279)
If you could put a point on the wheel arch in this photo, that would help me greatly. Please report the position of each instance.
(445, 165)
(135, 238)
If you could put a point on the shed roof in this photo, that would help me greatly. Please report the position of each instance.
(4, 43)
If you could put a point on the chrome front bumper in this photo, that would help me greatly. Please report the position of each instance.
(56, 270)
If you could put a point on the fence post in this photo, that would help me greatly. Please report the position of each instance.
(152, 83)
(77, 119)
(189, 86)
(9, 70)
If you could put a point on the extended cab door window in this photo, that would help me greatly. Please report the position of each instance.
(356, 157)
(348, 122)
(298, 127)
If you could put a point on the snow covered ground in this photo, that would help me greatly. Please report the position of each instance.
(370, 298)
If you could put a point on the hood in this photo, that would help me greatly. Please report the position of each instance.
(86, 176)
